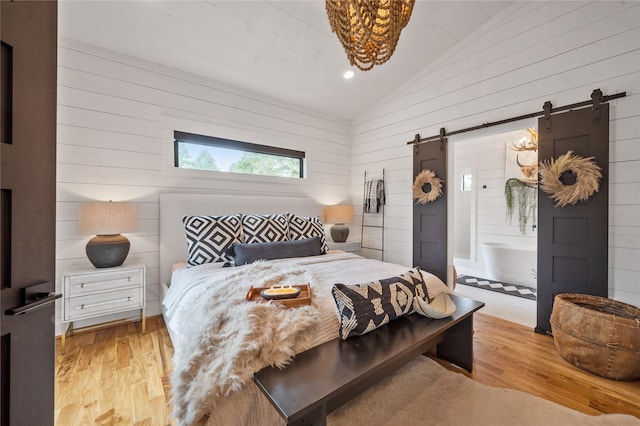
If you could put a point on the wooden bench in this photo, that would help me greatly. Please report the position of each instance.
(323, 378)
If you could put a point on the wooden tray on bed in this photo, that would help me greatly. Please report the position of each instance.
(304, 298)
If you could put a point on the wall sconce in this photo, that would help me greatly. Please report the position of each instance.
(339, 216)
(107, 220)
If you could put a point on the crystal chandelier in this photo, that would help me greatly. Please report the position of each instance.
(368, 29)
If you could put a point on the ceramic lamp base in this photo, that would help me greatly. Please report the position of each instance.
(107, 251)
(339, 233)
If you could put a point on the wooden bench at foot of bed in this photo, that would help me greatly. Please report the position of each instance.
(323, 378)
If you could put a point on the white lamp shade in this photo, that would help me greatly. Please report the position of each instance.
(107, 218)
(338, 214)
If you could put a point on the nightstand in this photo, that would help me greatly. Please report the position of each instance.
(91, 293)
(350, 246)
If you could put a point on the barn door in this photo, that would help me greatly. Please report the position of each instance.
(573, 240)
(27, 211)
(430, 219)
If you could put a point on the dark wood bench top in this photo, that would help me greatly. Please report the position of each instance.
(323, 378)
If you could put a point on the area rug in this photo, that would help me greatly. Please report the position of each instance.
(425, 393)
(504, 288)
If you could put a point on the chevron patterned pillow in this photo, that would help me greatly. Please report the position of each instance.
(365, 307)
(265, 228)
(209, 237)
(307, 227)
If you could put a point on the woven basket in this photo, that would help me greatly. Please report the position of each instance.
(599, 335)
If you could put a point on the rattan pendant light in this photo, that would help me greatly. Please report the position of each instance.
(368, 29)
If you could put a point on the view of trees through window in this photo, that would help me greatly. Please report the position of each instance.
(205, 154)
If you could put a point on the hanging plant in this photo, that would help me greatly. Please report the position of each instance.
(588, 175)
(526, 197)
(427, 177)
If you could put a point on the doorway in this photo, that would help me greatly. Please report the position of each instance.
(480, 167)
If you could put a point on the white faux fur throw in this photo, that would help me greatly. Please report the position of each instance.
(231, 338)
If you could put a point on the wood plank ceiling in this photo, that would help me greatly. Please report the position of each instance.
(282, 49)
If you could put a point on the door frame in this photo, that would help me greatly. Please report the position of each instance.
(468, 167)
(476, 134)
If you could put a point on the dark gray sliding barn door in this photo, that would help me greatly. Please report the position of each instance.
(430, 220)
(573, 240)
(28, 30)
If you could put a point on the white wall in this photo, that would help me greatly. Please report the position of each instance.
(116, 117)
(531, 53)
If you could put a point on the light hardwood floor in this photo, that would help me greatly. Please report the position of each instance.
(118, 376)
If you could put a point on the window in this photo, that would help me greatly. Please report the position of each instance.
(200, 152)
(466, 182)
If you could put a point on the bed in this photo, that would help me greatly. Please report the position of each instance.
(220, 340)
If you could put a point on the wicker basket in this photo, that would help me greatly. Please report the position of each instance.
(599, 335)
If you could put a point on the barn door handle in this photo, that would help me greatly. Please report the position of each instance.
(44, 300)
(34, 297)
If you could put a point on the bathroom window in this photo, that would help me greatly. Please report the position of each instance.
(466, 182)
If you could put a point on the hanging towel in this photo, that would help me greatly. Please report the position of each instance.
(373, 195)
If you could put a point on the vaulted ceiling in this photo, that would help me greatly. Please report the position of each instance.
(283, 49)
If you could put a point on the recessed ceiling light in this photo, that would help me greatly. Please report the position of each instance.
(348, 74)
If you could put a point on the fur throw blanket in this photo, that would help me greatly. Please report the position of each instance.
(231, 338)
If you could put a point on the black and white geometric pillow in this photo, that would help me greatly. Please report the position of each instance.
(365, 307)
(208, 237)
(307, 227)
(265, 228)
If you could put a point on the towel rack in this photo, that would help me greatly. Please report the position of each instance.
(364, 226)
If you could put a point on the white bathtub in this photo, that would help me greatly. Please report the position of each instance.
(512, 264)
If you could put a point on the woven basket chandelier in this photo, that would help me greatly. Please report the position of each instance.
(369, 30)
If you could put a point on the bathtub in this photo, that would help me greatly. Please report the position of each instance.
(511, 264)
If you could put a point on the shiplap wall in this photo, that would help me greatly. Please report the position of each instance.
(530, 53)
(116, 117)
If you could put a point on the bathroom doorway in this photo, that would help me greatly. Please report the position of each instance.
(489, 246)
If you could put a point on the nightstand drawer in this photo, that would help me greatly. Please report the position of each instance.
(78, 285)
(88, 306)
(351, 246)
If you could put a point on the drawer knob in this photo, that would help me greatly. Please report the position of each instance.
(82, 306)
(128, 278)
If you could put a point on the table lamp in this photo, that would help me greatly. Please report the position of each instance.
(107, 220)
(339, 216)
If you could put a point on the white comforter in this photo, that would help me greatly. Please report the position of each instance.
(249, 405)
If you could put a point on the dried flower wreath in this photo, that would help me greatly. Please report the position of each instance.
(427, 177)
(588, 175)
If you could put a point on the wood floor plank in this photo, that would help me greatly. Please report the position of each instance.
(130, 373)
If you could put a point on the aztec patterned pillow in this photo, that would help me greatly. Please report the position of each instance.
(365, 307)
(307, 227)
(265, 228)
(209, 237)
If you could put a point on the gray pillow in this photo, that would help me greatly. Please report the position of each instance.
(249, 253)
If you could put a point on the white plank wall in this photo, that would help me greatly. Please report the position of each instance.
(116, 117)
(530, 53)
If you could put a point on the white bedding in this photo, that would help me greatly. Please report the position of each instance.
(323, 271)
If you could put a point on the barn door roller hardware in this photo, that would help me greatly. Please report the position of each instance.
(596, 100)
(441, 137)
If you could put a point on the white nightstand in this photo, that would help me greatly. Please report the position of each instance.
(91, 293)
(350, 246)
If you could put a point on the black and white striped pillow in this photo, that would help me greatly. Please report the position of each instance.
(209, 237)
(265, 228)
(307, 227)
